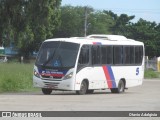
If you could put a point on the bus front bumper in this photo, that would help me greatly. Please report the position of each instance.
(52, 84)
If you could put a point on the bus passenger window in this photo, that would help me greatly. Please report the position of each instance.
(141, 54)
(96, 55)
(84, 55)
(132, 55)
(138, 54)
(109, 54)
(118, 55)
(126, 55)
(104, 55)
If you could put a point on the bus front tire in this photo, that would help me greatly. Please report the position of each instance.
(120, 89)
(46, 91)
(83, 88)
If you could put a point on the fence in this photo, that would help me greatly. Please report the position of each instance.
(151, 63)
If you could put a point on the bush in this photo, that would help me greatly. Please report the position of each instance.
(151, 74)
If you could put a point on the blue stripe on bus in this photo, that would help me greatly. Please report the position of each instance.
(112, 78)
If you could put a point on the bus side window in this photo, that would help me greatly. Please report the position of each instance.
(132, 55)
(126, 55)
(118, 54)
(141, 54)
(107, 54)
(95, 55)
(138, 54)
(104, 54)
(84, 55)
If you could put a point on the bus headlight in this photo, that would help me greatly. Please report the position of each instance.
(36, 74)
(69, 76)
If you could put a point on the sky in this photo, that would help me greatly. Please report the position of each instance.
(146, 9)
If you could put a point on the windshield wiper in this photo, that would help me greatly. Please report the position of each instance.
(45, 63)
(50, 58)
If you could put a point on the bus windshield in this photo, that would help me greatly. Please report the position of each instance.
(57, 54)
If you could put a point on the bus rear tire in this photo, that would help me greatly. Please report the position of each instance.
(83, 88)
(120, 89)
(46, 91)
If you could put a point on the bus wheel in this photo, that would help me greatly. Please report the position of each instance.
(46, 91)
(120, 88)
(83, 88)
(90, 91)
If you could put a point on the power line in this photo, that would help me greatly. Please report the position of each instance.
(152, 11)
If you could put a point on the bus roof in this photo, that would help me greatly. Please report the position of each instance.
(110, 40)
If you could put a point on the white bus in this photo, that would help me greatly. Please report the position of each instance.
(87, 64)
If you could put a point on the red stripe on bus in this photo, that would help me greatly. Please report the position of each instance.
(108, 78)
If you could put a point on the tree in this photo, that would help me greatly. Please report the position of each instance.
(7, 10)
(148, 33)
(120, 22)
(28, 22)
(72, 21)
(99, 23)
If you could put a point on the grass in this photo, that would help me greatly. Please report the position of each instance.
(151, 74)
(16, 77)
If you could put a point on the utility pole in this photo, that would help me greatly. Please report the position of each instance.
(85, 22)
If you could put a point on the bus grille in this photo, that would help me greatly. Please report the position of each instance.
(51, 84)
(51, 77)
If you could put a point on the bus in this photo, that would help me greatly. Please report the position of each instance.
(86, 64)
(3, 57)
(1, 50)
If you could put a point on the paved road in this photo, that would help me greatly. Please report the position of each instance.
(141, 98)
